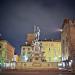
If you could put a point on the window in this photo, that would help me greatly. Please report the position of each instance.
(0, 46)
(23, 53)
(40, 44)
(36, 54)
(63, 41)
(49, 49)
(36, 58)
(28, 48)
(23, 48)
(66, 39)
(0, 52)
(29, 52)
(30, 60)
(24, 64)
(60, 58)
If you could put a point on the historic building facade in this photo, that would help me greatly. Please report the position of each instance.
(68, 42)
(6, 52)
(39, 54)
(26, 50)
(52, 50)
(16, 58)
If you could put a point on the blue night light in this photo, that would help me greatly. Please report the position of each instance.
(25, 58)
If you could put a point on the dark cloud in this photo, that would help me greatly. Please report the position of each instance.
(17, 18)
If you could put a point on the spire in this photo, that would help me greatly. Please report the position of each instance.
(38, 32)
(45, 35)
(34, 28)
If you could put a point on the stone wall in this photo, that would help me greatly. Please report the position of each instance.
(30, 65)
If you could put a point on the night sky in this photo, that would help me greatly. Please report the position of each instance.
(18, 17)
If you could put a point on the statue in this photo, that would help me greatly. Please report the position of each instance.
(37, 32)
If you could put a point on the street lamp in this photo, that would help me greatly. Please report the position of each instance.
(59, 30)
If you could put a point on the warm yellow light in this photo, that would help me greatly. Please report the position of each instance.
(52, 49)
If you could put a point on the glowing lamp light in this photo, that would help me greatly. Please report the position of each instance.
(60, 30)
(25, 58)
(70, 63)
(63, 64)
(59, 64)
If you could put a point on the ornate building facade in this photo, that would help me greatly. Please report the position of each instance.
(39, 54)
(68, 43)
(52, 50)
(6, 52)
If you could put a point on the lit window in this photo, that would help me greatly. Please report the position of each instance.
(25, 58)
